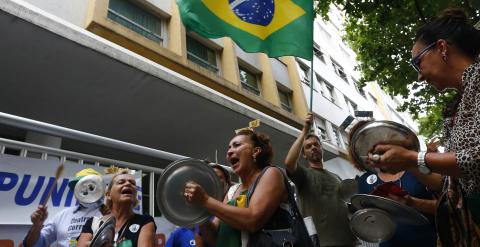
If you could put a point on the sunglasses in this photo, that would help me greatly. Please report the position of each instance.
(415, 62)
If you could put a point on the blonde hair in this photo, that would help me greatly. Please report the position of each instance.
(108, 201)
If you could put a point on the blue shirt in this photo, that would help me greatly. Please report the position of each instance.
(405, 234)
(183, 237)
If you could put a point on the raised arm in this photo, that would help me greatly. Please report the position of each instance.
(296, 148)
(38, 217)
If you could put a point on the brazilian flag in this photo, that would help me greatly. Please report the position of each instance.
(275, 27)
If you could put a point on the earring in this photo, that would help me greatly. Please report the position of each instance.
(444, 57)
(254, 159)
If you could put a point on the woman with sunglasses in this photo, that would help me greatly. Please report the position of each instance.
(446, 55)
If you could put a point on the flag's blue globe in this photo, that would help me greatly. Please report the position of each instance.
(259, 12)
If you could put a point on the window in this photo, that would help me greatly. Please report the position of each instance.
(249, 80)
(336, 137)
(285, 100)
(136, 19)
(345, 139)
(320, 123)
(351, 107)
(374, 100)
(358, 88)
(362, 92)
(318, 53)
(326, 89)
(339, 71)
(304, 74)
(201, 54)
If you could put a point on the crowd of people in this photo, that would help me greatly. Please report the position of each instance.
(444, 186)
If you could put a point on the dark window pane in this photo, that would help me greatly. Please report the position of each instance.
(285, 100)
(201, 54)
(135, 18)
(249, 81)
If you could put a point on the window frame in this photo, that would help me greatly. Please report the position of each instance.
(325, 86)
(339, 70)
(351, 106)
(319, 122)
(317, 50)
(288, 95)
(161, 36)
(336, 137)
(255, 90)
(210, 67)
(306, 79)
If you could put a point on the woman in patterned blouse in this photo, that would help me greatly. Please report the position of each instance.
(446, 56)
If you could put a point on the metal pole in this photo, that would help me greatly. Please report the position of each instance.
(311, 63)
(311, 84)
(56, 130)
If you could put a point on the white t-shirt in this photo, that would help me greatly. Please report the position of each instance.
(65, 226)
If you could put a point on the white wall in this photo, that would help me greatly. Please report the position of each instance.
(71, 11)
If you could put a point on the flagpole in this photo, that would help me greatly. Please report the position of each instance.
(311, 62)
(313, 126)
(311, 83)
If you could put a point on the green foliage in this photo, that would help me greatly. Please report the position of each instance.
(432, 124)
(381, 33)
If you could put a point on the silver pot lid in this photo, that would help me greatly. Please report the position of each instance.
(170, 189)
(372, 225)
(372, 133)
(105, 234)
(399, 212)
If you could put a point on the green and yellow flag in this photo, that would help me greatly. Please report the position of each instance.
(275, 27)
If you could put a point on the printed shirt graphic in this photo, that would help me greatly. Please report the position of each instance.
(275, 27)
(65, 226)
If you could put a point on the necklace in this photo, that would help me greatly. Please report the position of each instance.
(118, 237)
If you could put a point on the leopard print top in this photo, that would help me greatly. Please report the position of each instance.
(462, 131)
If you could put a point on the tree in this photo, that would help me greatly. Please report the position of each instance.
(381, 33)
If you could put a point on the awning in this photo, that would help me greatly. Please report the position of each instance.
(58, 73)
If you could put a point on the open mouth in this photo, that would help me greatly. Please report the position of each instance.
(234, 161)
(127, 191)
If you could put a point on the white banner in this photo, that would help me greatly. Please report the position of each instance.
(25, 182)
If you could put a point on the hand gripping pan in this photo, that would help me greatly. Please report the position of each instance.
(368, 134)
(170, 191)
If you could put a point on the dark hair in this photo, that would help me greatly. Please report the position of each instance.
(308, 137)
(226, 174)
(452, 25)
(263, 141)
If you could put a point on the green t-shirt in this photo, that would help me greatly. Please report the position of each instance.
(228, 236)
(318, 191)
